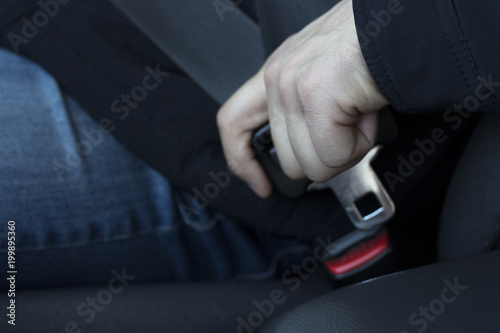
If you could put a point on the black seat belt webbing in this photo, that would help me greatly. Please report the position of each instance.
(219, 55)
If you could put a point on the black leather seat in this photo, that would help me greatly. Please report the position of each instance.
(202, 307)
(454, 296)
(421, 300)
(458, 296)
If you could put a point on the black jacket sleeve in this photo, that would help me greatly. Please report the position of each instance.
(432, 55)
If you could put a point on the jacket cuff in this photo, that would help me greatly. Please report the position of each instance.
(416, 53)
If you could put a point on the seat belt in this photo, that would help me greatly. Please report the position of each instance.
(220, 56)
(185, 30)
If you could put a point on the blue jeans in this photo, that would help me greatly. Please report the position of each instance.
(83, 205)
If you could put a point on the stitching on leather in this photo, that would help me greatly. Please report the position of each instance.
(469, 87)
(383, 65)
(368, 63)
(466, 47)
(452, 49)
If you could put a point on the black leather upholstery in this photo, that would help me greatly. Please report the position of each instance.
(458, 296)
(198, 307)
(470, 223)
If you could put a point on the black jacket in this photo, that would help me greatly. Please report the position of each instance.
(421, 60)
(432, 55)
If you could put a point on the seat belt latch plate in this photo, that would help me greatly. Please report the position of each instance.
(361, 193)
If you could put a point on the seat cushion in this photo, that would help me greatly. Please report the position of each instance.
(458, 296)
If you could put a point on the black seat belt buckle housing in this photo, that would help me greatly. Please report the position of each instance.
(356, 252)
(265, 153)
(362, 196)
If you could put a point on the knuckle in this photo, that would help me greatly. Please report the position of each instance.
(287, 76)
(223, 120)
(307, 89)
(227, 117)
(271, 73)
(220, 119)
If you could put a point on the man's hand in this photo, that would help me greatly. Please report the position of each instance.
(319, 97)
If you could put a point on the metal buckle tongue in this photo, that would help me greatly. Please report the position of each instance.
(357, 185)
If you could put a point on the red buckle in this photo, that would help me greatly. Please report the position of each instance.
(359, 256)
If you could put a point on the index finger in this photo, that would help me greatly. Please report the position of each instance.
(238, 118)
